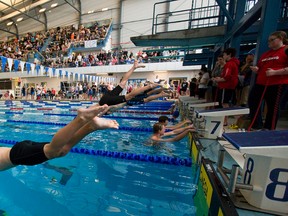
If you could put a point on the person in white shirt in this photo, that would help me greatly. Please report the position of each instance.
(204, 78)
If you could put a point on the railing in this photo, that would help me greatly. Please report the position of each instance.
(284, 10)
(200, 15)
(196, 17)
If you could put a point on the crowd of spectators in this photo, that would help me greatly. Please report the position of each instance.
(29, 47)
(64, 37)
(24, 47)
(112, 57)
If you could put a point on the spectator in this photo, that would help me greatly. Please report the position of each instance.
(192, 87)
(183, 87)
(271, 82)
(228, 80)
(203, 81)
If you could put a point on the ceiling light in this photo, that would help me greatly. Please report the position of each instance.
(42, 10)
(54, 5)
(9, 23)
(104, 9)
(19, 19)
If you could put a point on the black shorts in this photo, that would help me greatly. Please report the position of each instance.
(113, 97)
(143, 95)
(226, 96)
(28, 153)
(116, 91)
(135, 101)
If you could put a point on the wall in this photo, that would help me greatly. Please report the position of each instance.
(55, 82)
(51, 82)
(164, 70)
(166, 75)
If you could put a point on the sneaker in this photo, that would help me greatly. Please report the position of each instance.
(233, 126)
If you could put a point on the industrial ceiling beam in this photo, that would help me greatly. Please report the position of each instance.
(73, 6)
(26, 14)
(5, 30)
(244, 23)
(222, 6)
(77, 9)
(18, 11)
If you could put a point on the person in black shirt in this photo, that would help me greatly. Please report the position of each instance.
(183, 87)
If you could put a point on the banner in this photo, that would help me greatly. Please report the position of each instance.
(22, 64)
(90, 43)
(46, 71)
(41, 70)
(28, 67)
(32, 68)
(16, 65)
(50, 72)
(10, 63)
(37, 69)
(57, 73)
(3, 61)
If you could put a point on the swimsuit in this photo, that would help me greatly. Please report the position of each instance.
(28, 153)
(113, 97)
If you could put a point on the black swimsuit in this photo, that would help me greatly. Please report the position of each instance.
(113, 97)
(28, 153)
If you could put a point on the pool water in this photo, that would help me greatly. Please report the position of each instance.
(140, 120)
(80, 184)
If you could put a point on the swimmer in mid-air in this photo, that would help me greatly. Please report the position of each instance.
(31, 153)
(113, 97)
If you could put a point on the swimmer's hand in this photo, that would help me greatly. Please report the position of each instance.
(188, 121)
(137, 65)
(254, 68)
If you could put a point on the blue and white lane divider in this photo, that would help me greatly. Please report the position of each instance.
(74, 115)
(125, 155)
(139, 129)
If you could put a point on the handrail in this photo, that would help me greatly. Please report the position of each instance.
(40, 54)
(206, 9)
(154, 7)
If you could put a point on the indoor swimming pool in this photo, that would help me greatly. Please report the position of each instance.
(83, 184)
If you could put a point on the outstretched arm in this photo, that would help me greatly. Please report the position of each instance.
(178, 137)
(179, 125)
(282, 71)
(128, 74)
(114, 108)
(177, 131)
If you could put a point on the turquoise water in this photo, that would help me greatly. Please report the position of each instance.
(81, 184)
(55, 115)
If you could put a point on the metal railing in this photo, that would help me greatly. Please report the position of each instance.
(196, 17)
(199, 15)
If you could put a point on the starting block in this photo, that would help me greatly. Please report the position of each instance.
(193, 107)
(264, 183)
(185, 101)
(188, 99)
(213, 120)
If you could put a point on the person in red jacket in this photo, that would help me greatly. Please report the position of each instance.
(228, 80)
(271, 81)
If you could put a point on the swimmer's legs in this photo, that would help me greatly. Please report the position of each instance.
(153, 97)
(95, 124)
(139, 91)
(63, 136)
